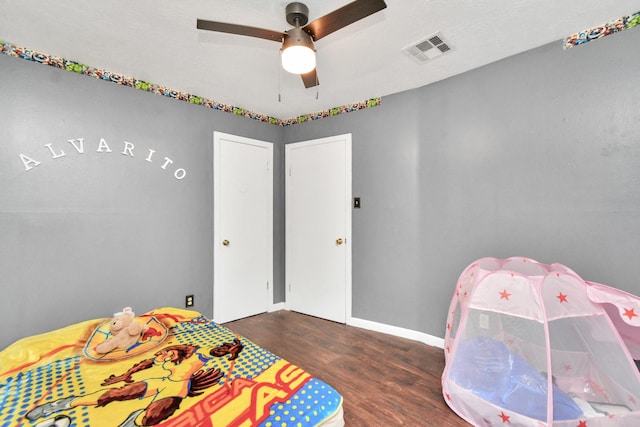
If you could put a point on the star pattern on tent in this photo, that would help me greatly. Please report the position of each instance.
(583, 423)
(567, 367)
(632, 399)
(448, 396)
(505, 295)
(630, 313)
(562, 297)
(505, 418)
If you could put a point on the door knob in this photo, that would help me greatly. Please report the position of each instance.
(339, 241)
(225, 242)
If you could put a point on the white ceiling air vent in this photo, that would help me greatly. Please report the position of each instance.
(428, 48)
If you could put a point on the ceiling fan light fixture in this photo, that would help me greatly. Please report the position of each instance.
(297, 52)
(298, 55)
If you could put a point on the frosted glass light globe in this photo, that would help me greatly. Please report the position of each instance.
(298, 59)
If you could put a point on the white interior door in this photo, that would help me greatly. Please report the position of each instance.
(318, 227)
(243, 227)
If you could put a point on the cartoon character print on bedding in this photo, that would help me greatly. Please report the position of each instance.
(173, 374)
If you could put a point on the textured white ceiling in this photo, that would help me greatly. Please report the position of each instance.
(157, 41)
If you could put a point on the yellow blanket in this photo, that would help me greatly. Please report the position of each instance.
(184, 371)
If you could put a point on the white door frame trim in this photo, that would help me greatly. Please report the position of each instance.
(217, 235)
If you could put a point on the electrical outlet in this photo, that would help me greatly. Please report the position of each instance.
(188, 301)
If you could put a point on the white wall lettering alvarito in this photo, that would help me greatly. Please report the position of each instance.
(78, 145)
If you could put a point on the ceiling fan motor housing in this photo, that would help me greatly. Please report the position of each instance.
(297, 37)
(297, 14)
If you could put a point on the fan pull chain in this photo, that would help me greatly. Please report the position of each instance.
(279, 78)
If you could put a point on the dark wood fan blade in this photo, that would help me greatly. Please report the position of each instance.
(310, 79)
(342, 17)
(242, 30)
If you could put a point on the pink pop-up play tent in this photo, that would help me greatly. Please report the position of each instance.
(529, 344)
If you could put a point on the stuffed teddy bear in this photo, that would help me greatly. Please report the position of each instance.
(125, 331)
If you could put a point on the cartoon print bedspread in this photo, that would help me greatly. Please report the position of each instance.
(184, 371)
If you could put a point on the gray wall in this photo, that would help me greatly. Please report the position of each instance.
(85, 234)
(537, 155)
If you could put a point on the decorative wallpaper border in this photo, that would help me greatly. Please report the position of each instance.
(105, 75)
(609, 28)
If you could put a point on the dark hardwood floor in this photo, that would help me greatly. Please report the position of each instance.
(384, 380)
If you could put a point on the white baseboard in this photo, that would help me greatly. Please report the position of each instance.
(381, 327)
(277, 307)
(399, 332)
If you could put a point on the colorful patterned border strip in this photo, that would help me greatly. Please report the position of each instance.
(612, 27)
(101, 74)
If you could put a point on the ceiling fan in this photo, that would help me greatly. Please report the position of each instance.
(298, 53)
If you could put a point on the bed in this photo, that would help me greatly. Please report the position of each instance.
(185, 370)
